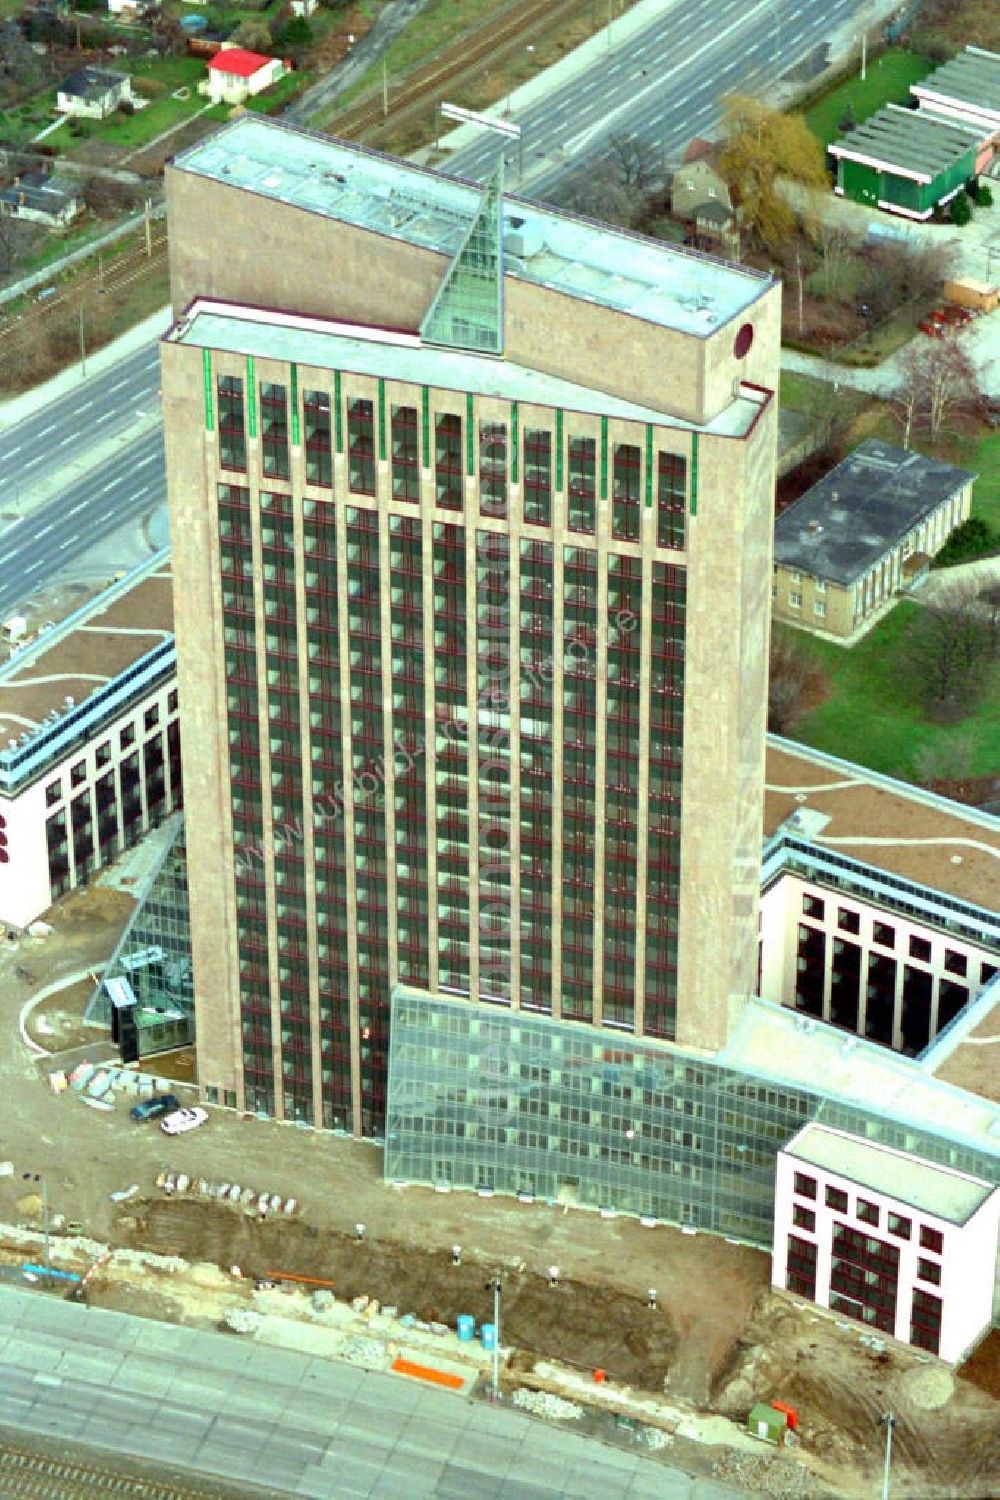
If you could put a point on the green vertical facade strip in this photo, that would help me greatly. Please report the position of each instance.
(425, 411)
(514, 442)
(649, 466)
(559, 451)
(470, 435)
(251, 397)
(296, 425)
(604, 458)
(338, 415)
(206, 356)
(381, 420)
(694, 473)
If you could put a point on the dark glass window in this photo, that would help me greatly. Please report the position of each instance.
(812, 906)
(867, 1212)
(493, 469)
(900, 1226)
(103, 753)
(929, 1270)
(836, 1198)
(583, 484)
(232, 436)
(172, 701)
(848, 921)
(538, 477)
(804, 1186)
(671, 498)
(955, 963)
(883, 934)
(78, 773)
(931, 1239)
(151, 717)
(448, 461)
(53, 793)
(316, 410)
(405, 453)
(274, 430)
(625, 485)
(361, 446)
(127, 736)
(803, 1218)
(920, 949)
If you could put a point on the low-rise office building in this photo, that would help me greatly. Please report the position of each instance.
(862, 535)
(905, 1245)
(89, 721)
(967, 89)
(906, 161)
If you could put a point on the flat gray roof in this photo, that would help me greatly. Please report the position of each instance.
(855, 514)
(973, 77)
(914, 141)
(777, 1043)
(665, 284)
(306, 341)
(922, 1185)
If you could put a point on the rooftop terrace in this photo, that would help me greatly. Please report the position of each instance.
(662, 284)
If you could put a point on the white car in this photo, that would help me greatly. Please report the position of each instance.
(183, 1119)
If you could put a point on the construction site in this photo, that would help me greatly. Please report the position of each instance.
(642, 1334)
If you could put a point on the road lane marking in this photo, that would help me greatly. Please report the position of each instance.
(119, 385)
(12, 451)
(106, 417)
(44, 530)
(78, 506)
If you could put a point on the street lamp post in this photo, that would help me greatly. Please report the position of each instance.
(493, 1285)
(890, 1422)
(40, 1178)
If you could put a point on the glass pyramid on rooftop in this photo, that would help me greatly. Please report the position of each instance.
(467, 311)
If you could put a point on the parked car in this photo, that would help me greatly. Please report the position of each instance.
(154, 1107)
(182, 1120)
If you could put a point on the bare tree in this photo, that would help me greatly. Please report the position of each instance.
(947, 654)
(794, 680)
(635, 163)
(945, 760)
(940, 386)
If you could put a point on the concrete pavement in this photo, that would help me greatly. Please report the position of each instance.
(217, 1404)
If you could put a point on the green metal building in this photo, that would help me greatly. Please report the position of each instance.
(905, 161)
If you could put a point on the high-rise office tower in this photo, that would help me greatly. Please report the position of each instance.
(471, 518)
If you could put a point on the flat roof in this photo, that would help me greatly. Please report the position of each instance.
(352, 349)
(884, 822)
(923, 1185)
(856, 513)
(90, 650)
(659, 283)
(973, 77)
(915, 142)
(777, 1043)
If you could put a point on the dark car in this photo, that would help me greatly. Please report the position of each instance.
(153, 1107)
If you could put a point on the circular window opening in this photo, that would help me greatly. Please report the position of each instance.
(743, 341)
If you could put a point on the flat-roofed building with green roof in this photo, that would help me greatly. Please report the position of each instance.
(967, 89)
(906, 161)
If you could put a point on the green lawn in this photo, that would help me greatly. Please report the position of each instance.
(888, 82)
(872, 717)
(984, 460)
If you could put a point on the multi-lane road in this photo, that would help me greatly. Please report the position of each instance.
(663, 83)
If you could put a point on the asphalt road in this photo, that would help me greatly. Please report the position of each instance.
(124, 486)
(216, 1404)
(68, 428)
(663, 84)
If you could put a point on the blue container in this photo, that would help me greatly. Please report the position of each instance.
(466, 1325)
(488, 1335)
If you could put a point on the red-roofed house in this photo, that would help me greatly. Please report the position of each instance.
(235, 75)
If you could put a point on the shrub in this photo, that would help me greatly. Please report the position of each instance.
(974, 538)
(961, 209)
(983, 196)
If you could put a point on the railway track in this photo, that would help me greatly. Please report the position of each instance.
(26, 1475)
(514, 26)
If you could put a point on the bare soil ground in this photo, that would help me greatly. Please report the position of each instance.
(718, 1341)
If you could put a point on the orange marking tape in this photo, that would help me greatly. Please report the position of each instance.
(424, 1372)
